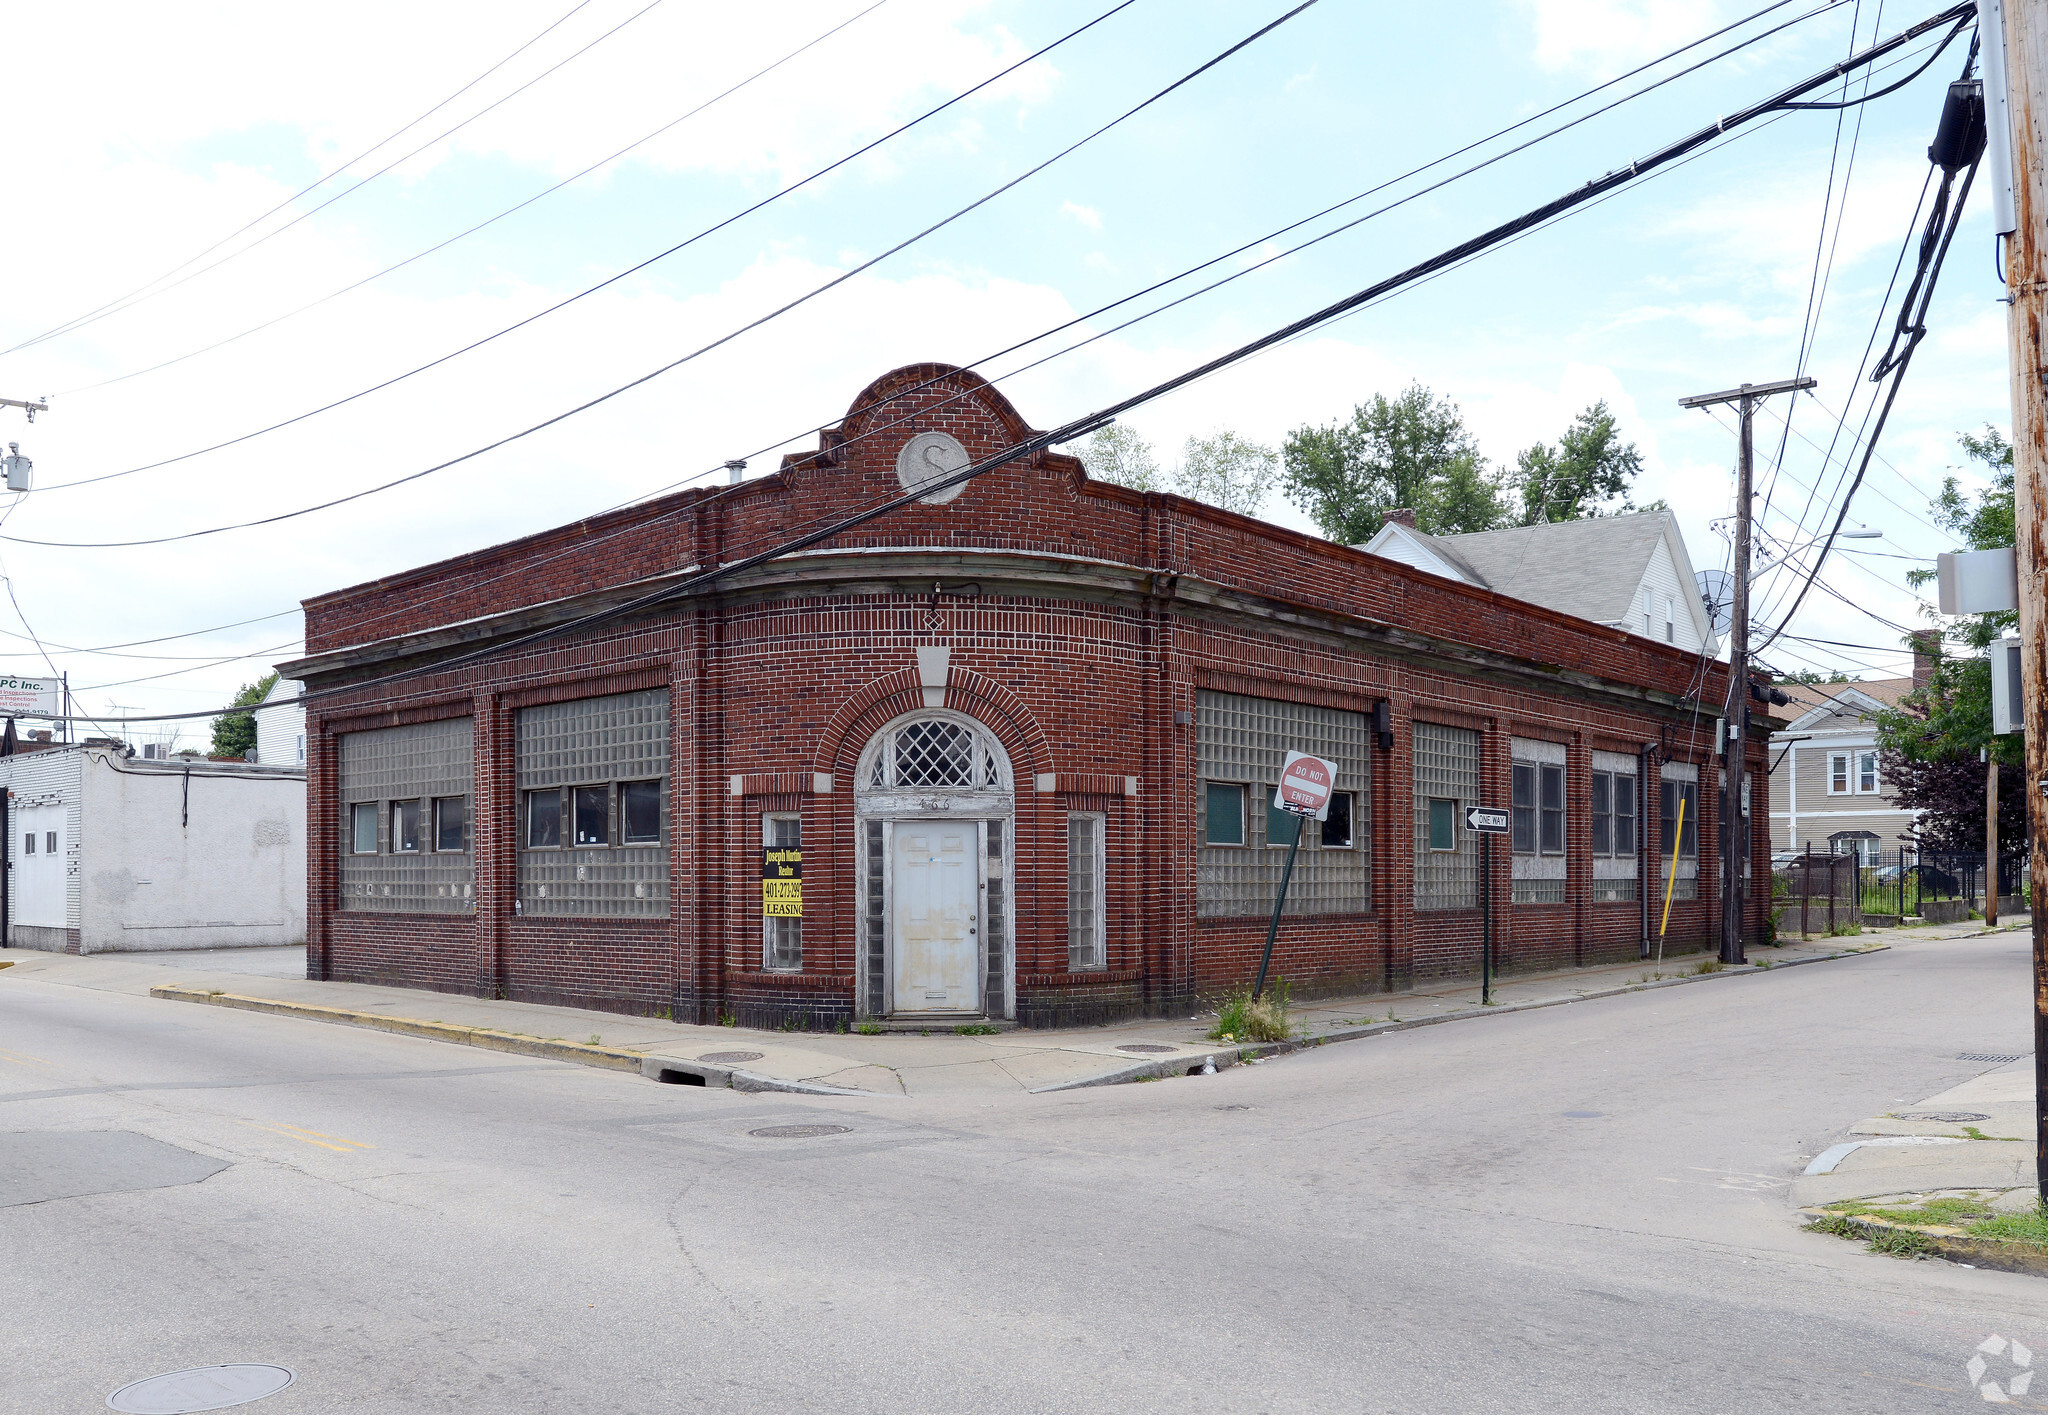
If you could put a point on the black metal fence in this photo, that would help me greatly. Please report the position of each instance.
(1817, 891)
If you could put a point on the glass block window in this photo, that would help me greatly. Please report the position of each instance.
(592, 774)
(1446, 771)
(1550, 836)
(998, 922)
(386, 778)
(1084, 891)
(873, 919)
(1241, 744)
(1678, 865)
(782, 939)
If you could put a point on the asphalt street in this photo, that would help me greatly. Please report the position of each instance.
(1583, 1208)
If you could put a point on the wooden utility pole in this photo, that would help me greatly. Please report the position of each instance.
(1735, 722)
(2026, 273)
(1991, 834)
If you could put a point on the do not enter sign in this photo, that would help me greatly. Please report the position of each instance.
(1305, 785)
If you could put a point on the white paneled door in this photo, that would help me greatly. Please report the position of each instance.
(38, 847)
(936, 885)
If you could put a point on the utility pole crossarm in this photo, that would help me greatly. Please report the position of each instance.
(1735, 720)
(31, 406)
(1748, 390)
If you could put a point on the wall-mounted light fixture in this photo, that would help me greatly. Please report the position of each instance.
(1383, 724)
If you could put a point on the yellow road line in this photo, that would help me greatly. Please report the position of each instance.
(345, 1147)
(22, 1058)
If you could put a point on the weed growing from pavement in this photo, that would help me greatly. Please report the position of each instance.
(975, 1029)
(1706, 966)
(726, 1019)
(1240, 1019)
(1845, 930)
(869, 1029)
(1971, 1213)
(1975, 1134)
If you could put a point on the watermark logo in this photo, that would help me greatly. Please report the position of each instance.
(2015, 1375)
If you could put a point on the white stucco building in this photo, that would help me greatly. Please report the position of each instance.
(111, 853)
(1632, 571)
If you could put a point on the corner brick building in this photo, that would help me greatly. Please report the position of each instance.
(1017, 741)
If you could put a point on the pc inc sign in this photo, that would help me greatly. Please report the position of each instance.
(31, 697)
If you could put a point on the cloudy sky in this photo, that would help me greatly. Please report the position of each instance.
(152, 141)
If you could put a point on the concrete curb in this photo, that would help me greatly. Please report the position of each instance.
(1345, 1034)
(610, 1058)
(687, 1072)
(1950, 1243)
(1159, 1070)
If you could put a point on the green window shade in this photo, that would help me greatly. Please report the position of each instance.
(1443, 824)
(1225, 814)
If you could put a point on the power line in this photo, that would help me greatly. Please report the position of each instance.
(1102, 417)
(719, 342)
(128, 303)
(585, 546)
(621, 275)
(488, 221)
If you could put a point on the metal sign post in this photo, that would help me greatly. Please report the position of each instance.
(1304, 790)
(1486, 822)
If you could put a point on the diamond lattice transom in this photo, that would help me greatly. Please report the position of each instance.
(935, 754)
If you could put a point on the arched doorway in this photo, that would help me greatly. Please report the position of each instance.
(934, 803)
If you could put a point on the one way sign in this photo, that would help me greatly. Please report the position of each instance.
(1487, 820)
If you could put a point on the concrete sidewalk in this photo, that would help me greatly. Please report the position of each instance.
(898, 1063)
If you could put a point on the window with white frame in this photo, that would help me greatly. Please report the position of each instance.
(1085, 943)
(782, 937)
(1852, 773)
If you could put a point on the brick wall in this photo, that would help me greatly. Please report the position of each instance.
(1081, 619)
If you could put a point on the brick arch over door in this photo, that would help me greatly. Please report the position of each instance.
(866, 711)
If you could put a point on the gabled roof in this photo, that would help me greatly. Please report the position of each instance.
(1818, 702)
(1591, 568)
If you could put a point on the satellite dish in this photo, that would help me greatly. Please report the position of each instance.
(1717, 594)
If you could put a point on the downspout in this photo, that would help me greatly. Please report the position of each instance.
(185, 804)
(1646, 761)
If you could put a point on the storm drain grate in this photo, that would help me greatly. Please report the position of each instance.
(730, 1056)
(202, 1388)
(1146, 1047)
(1991, 1056)
(799, 1132)
(1944, 1117)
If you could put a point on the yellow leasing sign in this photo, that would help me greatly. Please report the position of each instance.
(782, 881)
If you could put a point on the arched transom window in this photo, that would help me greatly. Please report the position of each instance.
(936, 752)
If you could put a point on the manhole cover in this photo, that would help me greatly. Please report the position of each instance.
(1585, 1115)
(799, 1132)
(1945, 1117)
(1146, 1047)
(202, 1388)
(731, 1056)
(1990, 1056)
(1233, 1107)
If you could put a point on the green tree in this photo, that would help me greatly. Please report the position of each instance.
(234, 733)
(1226, 470)
(1813, 676)
(1930, 741)
(1589, 473)
(1118, 454)
(1411, 451)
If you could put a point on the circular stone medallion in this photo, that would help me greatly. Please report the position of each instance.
(1945, 1117)
(799, 1132)
(203, 1388)
(730, 1056)
(926, 458)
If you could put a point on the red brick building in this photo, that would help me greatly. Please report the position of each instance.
(1022, 737)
